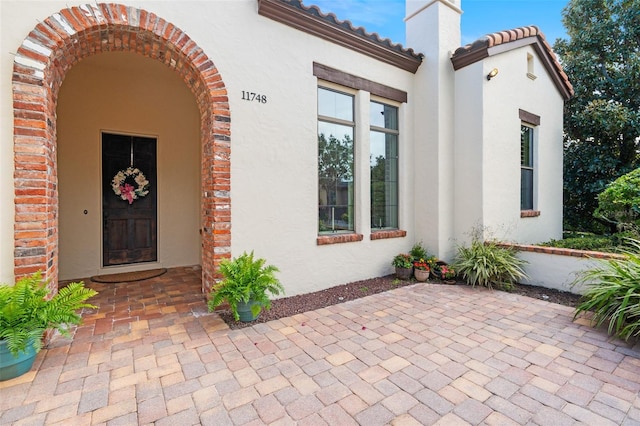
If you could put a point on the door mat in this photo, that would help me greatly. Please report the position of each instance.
(128, 276)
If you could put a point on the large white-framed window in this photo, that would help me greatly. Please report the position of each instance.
(383, 142)
(527, 170)
(336, 130)
(358, 134)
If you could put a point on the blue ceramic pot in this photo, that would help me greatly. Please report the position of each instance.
(244, 310)
(11, 366)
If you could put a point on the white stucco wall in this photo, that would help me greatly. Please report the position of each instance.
(556, 271)
(469, 151)
(433, 28)
(274, 145)
(512, 91)
(499, 134)
(120, 92)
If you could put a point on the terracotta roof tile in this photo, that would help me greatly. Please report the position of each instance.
(347, 25)
(479, 49)
(311, 20)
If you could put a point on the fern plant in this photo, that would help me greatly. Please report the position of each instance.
(613, 292)
(25, 312)
(246, 280)
(488, 264)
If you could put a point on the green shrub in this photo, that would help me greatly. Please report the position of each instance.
(591, 243)
(622, 238)
(587, 241)
(487, 264)
(613, 293)
(245, 280)
(619, 203)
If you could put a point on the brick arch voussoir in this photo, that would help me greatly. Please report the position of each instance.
(53, 47)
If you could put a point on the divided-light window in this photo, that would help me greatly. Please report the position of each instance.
(526, 167)
(384, 166)
(335, 161)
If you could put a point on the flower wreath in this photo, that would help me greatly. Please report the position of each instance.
(122, 184)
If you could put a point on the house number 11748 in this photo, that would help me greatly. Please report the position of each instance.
(253, 96)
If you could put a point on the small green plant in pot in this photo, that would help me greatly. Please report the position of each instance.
(404, 266)
(25, 315)
(246, 287)
(418, 252)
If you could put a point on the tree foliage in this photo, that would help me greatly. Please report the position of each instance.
(335, 160)
(378, 192)
(602, 120)
(620, 202)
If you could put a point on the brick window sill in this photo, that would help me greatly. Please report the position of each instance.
(529, 213)
(382, 235)
(324, 240)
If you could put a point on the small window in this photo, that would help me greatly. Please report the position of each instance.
(335, 161)
(526, 167)
(383, 137)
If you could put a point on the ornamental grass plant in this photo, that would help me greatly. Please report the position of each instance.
(488, 264)
(613, 293)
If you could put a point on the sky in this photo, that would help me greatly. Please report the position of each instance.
(480, 17)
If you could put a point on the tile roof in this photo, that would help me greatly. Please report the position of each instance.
(485, 47)
(312, 20)
(361, 31)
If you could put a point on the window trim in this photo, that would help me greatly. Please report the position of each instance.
(529, 118)
(351, 81)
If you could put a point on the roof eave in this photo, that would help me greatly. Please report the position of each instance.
(289, 15)
(482, 49)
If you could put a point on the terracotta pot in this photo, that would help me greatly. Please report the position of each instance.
(421, 275)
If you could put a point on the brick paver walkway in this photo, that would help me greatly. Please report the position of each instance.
(423, 354)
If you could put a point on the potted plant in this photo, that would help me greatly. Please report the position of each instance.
(448, 274)
(418, 252)
(421, 270)
(404, 266)
(25, 315)
(245, 286)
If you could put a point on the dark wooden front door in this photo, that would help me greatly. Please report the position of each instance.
(129, 229)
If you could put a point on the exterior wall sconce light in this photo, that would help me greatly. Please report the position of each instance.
(492, 74)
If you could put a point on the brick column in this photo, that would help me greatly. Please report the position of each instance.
(40, 65)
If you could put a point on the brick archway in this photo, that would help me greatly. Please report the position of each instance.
(40, 65)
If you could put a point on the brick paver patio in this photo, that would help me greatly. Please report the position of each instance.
(422, 354)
